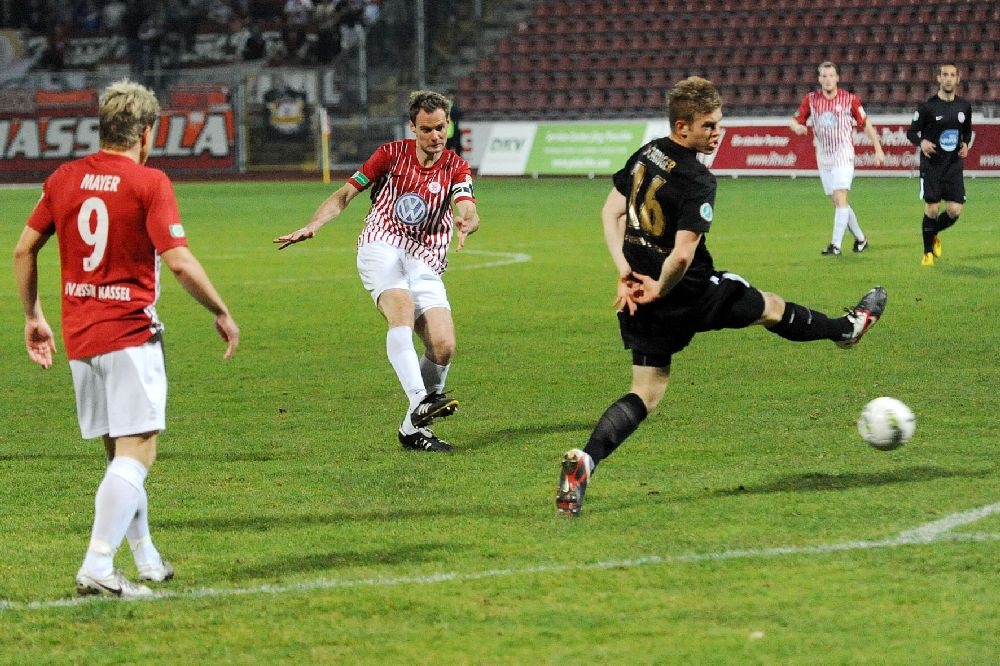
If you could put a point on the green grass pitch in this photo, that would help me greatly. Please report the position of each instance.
(745, 522)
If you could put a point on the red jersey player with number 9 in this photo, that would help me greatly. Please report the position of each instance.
(115, 219)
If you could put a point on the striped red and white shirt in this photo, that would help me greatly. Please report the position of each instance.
(833, 123)
(411, 203)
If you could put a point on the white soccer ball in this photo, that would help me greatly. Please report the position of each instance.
(886, 423)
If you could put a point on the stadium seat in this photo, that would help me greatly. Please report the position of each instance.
(655, 79)
(557, 104)
(558, 80)
(988, 50)
(888, 50)
(974, 90)
(619, 79)
(577, 102)
(884, 73)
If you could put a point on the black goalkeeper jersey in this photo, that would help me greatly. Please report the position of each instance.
(946, 124)
(667, 189)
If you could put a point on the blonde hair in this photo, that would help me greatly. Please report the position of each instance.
(126, 108)
(428, 101)
(828, 64)
(692, 97)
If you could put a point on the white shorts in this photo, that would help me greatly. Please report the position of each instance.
(121, 393)
(837, 177)
(382, 266)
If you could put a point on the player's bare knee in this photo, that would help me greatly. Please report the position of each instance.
(440, 351)
(774, 309)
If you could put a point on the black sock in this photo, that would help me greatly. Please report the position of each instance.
(929, 230)
(618, 422)
(800, 324)
(944, 221)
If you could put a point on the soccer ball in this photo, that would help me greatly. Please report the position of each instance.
(886, 423)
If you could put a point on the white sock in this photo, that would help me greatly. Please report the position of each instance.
(403, 357)
(115, 505)
(840, 218)
(139, 540)
(852, 224)
(434, 375)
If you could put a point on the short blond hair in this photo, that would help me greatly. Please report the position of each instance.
(126, 108)
(691, 98)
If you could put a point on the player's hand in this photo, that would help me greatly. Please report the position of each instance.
(963, 151)
(879, 157)
(623, 299)
(644, 289)
(801, 130)
(228, 331)
(39, 341)
(305, 233)
(465, 227)
(927, 148)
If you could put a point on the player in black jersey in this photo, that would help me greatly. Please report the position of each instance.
(655, 220)
(942, 129)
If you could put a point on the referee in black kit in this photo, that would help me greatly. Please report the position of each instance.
(942, 129)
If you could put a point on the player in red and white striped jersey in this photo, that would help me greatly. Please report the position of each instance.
(835, 114)
(421, 196)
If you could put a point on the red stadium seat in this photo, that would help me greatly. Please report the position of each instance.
(888, 50)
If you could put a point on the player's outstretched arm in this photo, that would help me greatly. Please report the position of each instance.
(333, 206)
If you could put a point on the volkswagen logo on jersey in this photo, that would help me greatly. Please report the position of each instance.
(410, 209)
(828, 119)
(948, 140)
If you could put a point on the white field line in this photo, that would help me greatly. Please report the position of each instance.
(933, 532)
(499, 259)
(503, 259)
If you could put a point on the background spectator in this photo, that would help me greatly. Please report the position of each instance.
(54, 57)
(111, 15)
(352, 15)
(298, 12)
(87, 16)
(255, 46)
(327, 22)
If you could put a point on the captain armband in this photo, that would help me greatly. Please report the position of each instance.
(462, 191)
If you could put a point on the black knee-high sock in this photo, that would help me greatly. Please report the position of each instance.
(618, 422)
(800, 324)
(928, 228)
(944, 221)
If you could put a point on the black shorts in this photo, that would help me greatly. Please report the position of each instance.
(942, 182)
(662, 328)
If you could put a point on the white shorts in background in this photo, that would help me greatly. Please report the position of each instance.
(382, 266)
(836, 178)
(121, 393)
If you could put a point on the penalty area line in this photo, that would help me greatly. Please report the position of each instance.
(503, 259)
(498, 259)
(933, 532)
